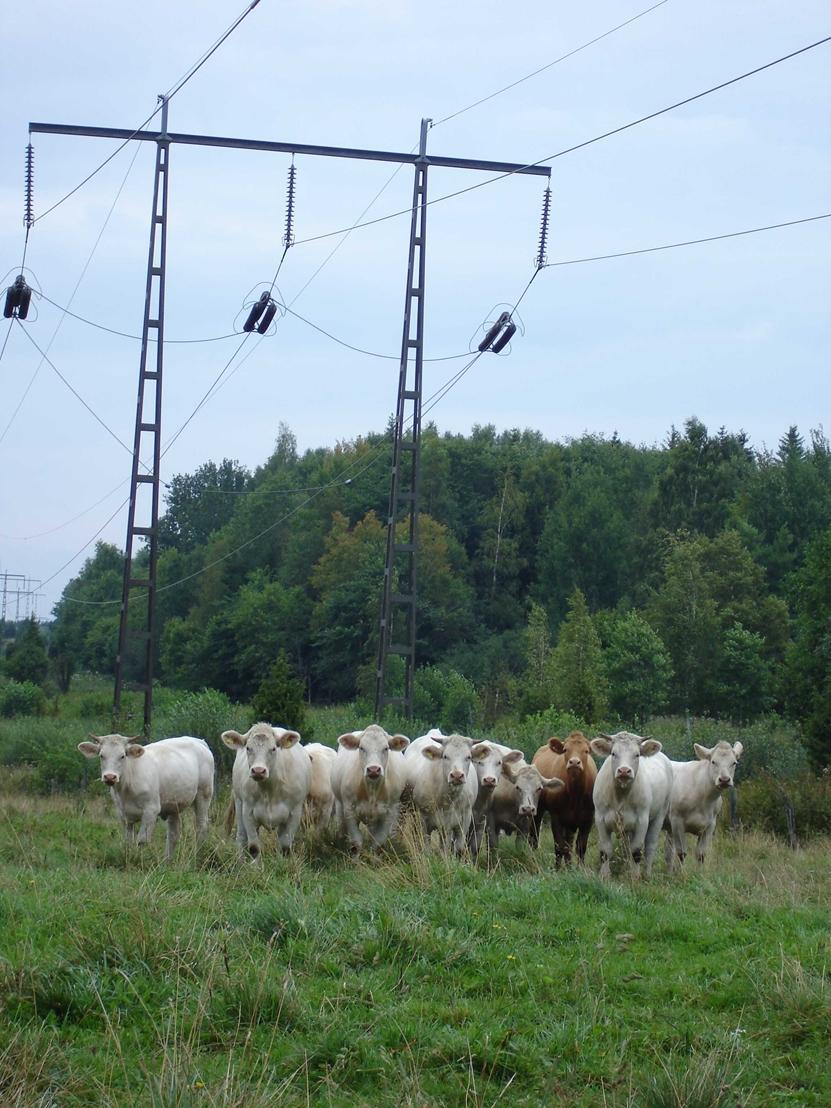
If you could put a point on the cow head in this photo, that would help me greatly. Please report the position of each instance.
(261, 744)
(113, 750)
(576, 751)
(723, 759)
(529, 784)
(373, 746)
(454, 752)
(626, 751)
(488, 761)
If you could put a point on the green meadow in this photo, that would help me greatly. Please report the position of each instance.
(402, 979)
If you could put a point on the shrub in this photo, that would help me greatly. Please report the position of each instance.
(770, 745)
(21, 698)
(205, 715)
(533, 731)
(49, 748)
(803, 803)
(446, 697)
(279, 699)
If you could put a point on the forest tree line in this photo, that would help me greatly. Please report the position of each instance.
(609, 579)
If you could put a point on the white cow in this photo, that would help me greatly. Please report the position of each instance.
(368, 778)
(696, 798)
(632, 794)
(515, 800)
(489, 758)
(320, 803)
(155, 781)
(442, 778)
(271, 779)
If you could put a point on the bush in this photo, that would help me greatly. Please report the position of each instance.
(533, 731)
(279, 699)
(446, 697)
(765, 802)
(49, 748)
(21, 698)
(205, 715)
(770, 745)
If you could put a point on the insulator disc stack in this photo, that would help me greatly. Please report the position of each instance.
(28, 214)
(288, 238)
(542, 257)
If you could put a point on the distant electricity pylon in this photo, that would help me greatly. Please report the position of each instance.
(19, 595)
(397, 635)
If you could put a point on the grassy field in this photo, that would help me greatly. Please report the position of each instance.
(402, 980)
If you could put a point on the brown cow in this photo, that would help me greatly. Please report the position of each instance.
(571, 809)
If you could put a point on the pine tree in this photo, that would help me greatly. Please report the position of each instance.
(579, 679)
(279, 699)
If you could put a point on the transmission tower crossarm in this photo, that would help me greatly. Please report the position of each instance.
(289, 148)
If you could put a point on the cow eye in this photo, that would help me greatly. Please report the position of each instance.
(123, 755)
(274, 750)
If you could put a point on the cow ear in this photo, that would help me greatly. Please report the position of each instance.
(288, 739)
(133, 750)
(602, 745)
(350, 740)
(508, 770)
(703, 753)
(233, 739)
(90, 750)
(432, 753)
(737, 750)
(553, 783)
(649, 747)
(513, 756)
(556, 745)
(399, 742)
(480, 751)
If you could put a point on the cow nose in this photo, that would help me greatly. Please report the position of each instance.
(258, 771)
(624, 771)
(489, 782)
(373, 771)
(724, 782)
(109, 778)
(527, 810)
(456, 777)
(575, 763)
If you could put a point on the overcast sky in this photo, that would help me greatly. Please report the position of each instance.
(735, 333)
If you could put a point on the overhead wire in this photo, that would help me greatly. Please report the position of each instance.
(688, 242)
(174, 89)
(579, 145)
(548, 65)
(126, 334)
(73, 294)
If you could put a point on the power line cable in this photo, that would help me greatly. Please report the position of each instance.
(576, 146)
(688, 242)
(75, 392)
(126, 334)
(73, 294)
(549, 65)
(177, 87)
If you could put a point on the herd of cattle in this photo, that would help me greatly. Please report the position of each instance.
(469, 792)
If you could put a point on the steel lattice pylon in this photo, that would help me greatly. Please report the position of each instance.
(148, 436)
(397, 635)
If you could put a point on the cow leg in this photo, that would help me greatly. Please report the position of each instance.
(148, 822)
(200, 816)
(582, 843)
(679, 839)
(704, 842)
(286, 833)
(669, 851)
(173, 830)
(351, 829)
(534, 830)
(562, 847)
(650, 848)
(605, 840)
(249, 838)
(242, 838)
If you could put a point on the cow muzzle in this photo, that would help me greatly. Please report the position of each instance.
(259, 773)
(528, 810)
(488, 782)
(456, 777)
(374, 773)
(574, 765)
(724, 782)
(109, 779)
(624, 775)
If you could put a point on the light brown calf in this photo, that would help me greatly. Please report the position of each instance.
(571, 809)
